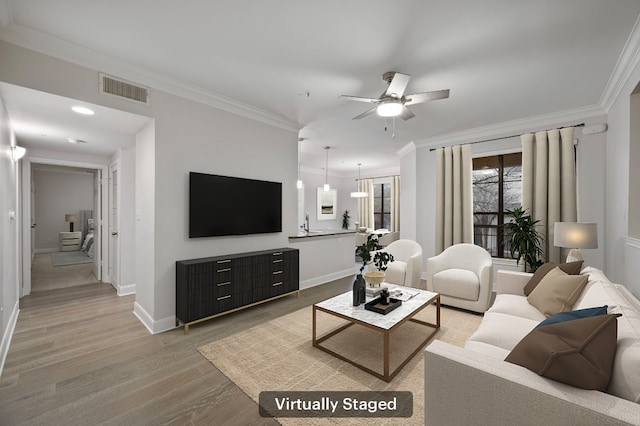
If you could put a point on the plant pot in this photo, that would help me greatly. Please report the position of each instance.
(374, 278)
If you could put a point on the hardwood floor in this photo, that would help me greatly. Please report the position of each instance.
(80, 357)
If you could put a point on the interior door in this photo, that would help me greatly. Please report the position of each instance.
(97, 225)
(114, 221)
(32, 213)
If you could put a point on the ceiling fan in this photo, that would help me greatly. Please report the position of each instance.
(393, 102)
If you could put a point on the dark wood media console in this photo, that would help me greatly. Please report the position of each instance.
(209, 287)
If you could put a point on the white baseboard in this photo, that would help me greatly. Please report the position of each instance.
(8, 334)
(125, 290)
(326, 278)
(154, 327)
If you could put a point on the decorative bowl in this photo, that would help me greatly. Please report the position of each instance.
(374, 277)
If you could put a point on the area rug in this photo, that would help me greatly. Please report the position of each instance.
(64, 258)
(278, 356)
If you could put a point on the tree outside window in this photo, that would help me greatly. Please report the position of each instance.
(497, 187)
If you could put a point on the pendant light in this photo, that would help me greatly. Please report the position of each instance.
(326, 170)
(359, 194)
(299, 182)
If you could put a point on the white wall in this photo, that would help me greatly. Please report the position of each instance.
(58, 193)
(621, 250)
(9, 236)
(127, 227)
(408, 193)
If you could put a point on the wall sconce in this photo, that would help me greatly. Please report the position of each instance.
(70, 218)
(575, 236)
(17, 152)
(359, 194)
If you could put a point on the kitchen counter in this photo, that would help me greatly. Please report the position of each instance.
(321, 233)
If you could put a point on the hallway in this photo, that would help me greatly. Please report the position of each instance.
(45, 276)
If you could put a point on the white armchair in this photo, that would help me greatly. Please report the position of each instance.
(406, 267)
(462, 275)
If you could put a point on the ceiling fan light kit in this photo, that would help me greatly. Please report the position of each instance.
(389, 108)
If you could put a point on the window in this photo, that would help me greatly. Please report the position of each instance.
(382, 205)
(497, 187)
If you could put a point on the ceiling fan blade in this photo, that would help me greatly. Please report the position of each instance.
(398, 85)
(417, 98)
(360, 99)
(364, 114)
(406, 114)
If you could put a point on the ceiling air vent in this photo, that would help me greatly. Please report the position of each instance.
(123, 89)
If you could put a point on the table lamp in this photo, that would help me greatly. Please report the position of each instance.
(575, 236)
(70, 218)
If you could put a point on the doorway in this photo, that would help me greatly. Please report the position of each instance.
(82, 257)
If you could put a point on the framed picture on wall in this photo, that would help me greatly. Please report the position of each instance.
(326, 204)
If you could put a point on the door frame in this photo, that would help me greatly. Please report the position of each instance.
(102, 255)
(114, 242)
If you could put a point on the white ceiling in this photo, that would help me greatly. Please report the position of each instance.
(503, 60)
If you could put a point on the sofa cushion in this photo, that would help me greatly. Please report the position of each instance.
(625, 379)
(502, 330)
(458, 283)
(572, 315)
(597, 293)
(515, 305)
(579, 353)
(571, 268)
(557, 292)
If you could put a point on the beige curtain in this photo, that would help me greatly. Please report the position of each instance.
(365, 205)
(395, 204)
(454, 196)
(549, 182)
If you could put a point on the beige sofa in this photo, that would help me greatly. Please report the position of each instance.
(474, 385)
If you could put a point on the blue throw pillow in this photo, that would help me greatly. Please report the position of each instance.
(571, 315)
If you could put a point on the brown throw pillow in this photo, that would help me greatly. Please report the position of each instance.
(571, 268)
(579, 353)
(557, 292)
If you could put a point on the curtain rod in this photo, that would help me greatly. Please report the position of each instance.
(378, 177)
(512, 136)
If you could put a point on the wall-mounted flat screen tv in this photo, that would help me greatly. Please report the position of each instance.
(223, 205)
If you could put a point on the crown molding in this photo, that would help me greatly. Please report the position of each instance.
(626, 65)
(51, 46)
(562, 118)
(406, 150)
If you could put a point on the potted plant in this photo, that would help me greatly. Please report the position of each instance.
(345, 219)
(380, 259)
(525, 240)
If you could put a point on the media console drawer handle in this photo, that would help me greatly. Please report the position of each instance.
(224, 261)
(277, 272)
(224, 270)
(224, 297)
(277, 261)
(279, 253)
(223, 284)
(277, 284)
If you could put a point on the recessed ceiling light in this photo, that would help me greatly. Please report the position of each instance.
(82, 110)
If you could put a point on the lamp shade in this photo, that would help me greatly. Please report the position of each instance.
(70, 218)
(575, 235)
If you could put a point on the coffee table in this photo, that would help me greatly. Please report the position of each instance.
(341, 306)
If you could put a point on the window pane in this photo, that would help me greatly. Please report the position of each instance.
(386, 204)
(377, 205)
(387, 221)
(377, 190)
(512, 187)
(485, 190)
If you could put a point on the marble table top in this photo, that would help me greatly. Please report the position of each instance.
(343, 304)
